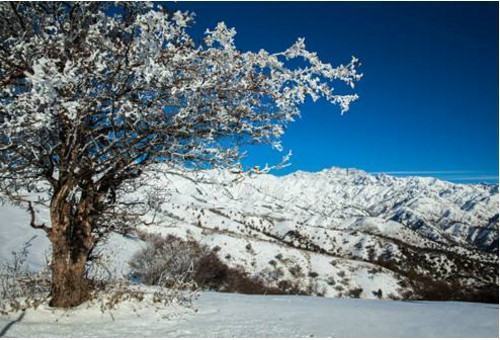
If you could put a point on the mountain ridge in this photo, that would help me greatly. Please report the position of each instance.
(336, 233)
(418, 228)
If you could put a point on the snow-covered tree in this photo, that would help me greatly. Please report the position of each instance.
(94, 95)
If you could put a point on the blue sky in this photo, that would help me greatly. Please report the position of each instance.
(429, 97)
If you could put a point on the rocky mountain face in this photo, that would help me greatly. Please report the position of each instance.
(342, 232)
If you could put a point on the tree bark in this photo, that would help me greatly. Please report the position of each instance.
(71, 238)
(70, 287)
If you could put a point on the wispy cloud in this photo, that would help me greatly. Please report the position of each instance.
(425, 172)
(473, 178)
(449, 175)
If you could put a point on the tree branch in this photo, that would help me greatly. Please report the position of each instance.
(33, 224)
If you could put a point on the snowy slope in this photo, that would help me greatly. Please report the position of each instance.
(15, 231)
(337, 233)
(234, 315)
(339, 230)
(450, 213)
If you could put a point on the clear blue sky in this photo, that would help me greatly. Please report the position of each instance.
(429, 97)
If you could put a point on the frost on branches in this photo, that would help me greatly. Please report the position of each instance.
(93, 95)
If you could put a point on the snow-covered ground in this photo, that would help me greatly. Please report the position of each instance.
(235, 315)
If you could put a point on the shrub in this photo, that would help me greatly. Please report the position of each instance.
(19, 288)
(429, 289)
(339, 288)
(173, 262)
(109, 295)
(375, 270)
(166, 261)
(355, 293)
(296, 271)
(288, 287)
(212, 273)
(330, 280)
(272, 274)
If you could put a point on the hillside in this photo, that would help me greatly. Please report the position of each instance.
(340, 232)
(335, 233)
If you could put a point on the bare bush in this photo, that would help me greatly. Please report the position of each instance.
(20, 288)
(167, 262)
(185, 265)
(212, 273)
(109, 296)
(355, 293)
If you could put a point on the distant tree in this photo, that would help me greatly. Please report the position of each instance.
(94, 95)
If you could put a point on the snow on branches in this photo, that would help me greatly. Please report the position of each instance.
(93, 94)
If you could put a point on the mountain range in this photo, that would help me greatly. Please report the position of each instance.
(342, 232)
(335, 233)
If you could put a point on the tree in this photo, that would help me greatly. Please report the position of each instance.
(95, 95)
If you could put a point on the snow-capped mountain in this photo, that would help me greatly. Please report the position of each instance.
(340, 232)
(337, 233)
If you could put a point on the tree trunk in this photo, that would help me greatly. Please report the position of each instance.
(70, 287)
(71, 238)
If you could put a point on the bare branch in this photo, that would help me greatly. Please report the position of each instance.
(33, 223)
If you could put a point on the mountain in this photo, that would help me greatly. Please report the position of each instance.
(343, 232)
(335, 233)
